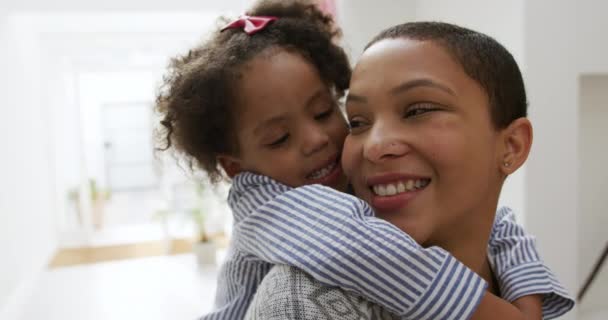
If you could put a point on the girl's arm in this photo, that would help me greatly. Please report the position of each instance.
(335, 238)
(495, 308)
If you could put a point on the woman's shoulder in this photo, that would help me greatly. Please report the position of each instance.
(289, 293)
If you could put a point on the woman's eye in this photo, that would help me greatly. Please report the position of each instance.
(279, 142)
(324, 114)
(353, 124)
(357, 125)
(420, 109)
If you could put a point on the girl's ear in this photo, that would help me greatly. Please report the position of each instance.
(231, 165)
(517, 141)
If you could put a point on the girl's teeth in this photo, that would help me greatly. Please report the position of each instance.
(322, 173)
(392, 189)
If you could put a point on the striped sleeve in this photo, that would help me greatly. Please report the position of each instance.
(237, 283)
(335, 238)
(519, 269)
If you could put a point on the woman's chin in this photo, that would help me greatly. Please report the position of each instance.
(415, 227)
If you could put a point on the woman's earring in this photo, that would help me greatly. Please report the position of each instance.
(506, 164)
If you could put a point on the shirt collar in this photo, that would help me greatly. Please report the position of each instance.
(250, 191)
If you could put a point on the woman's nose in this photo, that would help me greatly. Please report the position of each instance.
(383, 145)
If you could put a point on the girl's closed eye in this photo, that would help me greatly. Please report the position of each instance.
(324, 114)
(279, 141)
(419, 109)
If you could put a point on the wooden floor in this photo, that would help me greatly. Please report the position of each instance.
(153, 288)
(78, 256)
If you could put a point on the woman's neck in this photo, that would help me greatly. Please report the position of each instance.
(470, 246)
(474, 254)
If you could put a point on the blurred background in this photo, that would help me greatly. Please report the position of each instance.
(95, 225)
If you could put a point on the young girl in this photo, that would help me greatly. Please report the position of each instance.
(260, 97)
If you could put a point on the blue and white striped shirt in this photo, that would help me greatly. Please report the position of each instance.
(519, 269)
(335, 238)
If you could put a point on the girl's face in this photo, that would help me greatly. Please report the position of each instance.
(422, 149)
(289, 126)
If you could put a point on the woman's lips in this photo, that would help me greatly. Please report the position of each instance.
(392, 203)
(392, 191)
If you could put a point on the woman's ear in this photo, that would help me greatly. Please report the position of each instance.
(517, 141)
(231, 165)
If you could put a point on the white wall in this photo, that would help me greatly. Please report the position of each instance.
(27, 227)
(591, 25)
(593, 181)
(502, 20)
(552, 200)
(597, 315)
(591, 56)
(363, 19)
(120, 5)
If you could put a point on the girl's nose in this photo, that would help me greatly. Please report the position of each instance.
(315, 139)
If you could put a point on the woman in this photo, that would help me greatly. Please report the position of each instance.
(447, 106)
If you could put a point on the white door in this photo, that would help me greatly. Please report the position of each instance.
(129, 148)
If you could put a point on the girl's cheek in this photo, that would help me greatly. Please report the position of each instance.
(349, 156)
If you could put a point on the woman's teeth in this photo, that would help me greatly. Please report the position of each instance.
(392, 189)
(322, 173)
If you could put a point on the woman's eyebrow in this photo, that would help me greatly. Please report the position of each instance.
(409, 85)
(355, 98)
(421, 83)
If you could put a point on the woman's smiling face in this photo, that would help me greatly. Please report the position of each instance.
(422, 148)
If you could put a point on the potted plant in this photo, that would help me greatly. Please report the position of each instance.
(99, 197)
(204, 248)
(73, 196)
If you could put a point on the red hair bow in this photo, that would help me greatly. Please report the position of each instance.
(250, 24)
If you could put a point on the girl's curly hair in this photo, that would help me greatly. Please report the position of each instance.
(196, 100)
